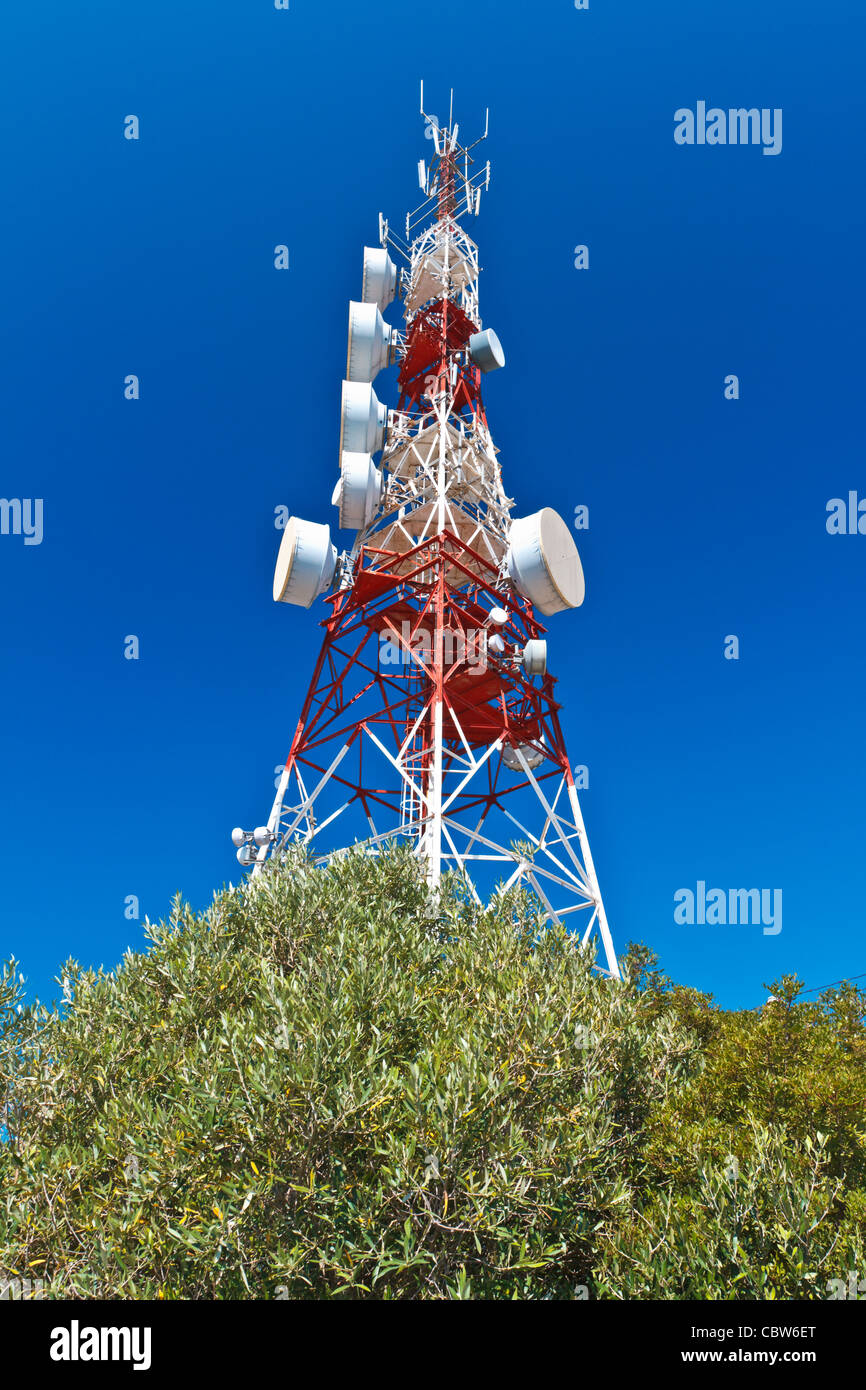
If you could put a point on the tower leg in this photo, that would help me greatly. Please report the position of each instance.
(601, 915)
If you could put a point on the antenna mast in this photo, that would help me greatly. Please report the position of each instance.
(431, 713)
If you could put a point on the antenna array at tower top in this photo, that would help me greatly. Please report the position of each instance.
(451, 185)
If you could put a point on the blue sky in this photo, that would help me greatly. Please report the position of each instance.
(707, 516)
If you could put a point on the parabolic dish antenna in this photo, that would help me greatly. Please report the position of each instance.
(379, 284)
(544, 564)
(358, 492)
(486, 351)
(372, 343)
(363, 419)
(534, 756)
(305, 563)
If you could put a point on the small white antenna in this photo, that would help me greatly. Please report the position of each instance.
(451, 108)
(422, 175)
(383, 230)
(486, 120)
(487, 184)
(477, 201)
(454, 136)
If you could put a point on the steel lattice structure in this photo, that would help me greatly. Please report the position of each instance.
(424, 717)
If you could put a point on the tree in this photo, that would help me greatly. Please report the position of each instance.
(326, 1086)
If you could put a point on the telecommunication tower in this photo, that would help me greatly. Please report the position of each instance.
(431, 713)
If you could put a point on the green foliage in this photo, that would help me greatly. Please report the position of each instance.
(320, 1089)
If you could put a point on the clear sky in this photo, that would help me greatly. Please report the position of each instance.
(707, 516)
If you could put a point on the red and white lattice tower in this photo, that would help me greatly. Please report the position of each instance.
(431, 713)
